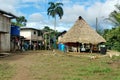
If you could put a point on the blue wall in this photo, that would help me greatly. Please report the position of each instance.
(15, 30)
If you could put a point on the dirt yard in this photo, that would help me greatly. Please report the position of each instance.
(46, 65)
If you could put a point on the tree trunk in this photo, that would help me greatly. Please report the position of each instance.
(55, 33)
(55, 24)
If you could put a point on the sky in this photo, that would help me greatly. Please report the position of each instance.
(35, 11)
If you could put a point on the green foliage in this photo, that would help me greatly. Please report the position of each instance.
(20, 21)
(55, 9)
(50, 32)
(115, 16)
(49, 35)
(48, 29)
(113, 38)
(113, 35)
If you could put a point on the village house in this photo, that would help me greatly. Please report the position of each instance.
(61, 35)
(32, 36)
(5, 23)
(81, 37)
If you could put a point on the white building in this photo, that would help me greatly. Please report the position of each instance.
(31, 34)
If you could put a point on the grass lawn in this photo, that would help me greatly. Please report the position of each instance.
(6, 71)
(43, 65)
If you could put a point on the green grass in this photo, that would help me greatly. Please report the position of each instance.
(74, 68)
(63, 67)
(6, 71)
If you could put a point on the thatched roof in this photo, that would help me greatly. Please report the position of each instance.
(81, 32)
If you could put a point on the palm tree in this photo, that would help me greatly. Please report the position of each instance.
(55, 9)
(115, 16)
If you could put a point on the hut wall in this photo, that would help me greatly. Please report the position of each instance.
(4, 33)
(4, 42)
(4, 24)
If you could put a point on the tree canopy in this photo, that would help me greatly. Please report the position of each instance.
(112, 36)
(115, 16)
(55, 9)
(20, 21)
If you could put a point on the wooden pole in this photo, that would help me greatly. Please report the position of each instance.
(96, 23)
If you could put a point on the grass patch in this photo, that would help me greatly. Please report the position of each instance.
(72, 68)
(6, 71)
(43, 65)
(116, 58)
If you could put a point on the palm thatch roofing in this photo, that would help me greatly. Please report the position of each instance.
(81, 32)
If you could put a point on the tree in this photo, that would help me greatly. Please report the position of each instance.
(20, 21)
(49, 36)
(55, 9)
(112, 35)
(47, 29)
(113, 38)
(115, 16)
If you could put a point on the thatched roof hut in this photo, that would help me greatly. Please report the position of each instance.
(81, 32)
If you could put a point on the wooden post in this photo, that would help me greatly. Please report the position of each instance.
(96, 23)
(91, 48)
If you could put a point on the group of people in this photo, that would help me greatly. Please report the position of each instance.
(21, 44)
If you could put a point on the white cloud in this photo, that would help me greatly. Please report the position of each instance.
(72, 10)
(11, 6)
(61, 28)
(31, 0)
(39, 25)
(35, 17)
(71, 14)
(98, 9)
(35, 20)
(34, 25)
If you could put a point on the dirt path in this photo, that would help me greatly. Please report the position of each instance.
(22, 73)
(23, 67)
(22, 63)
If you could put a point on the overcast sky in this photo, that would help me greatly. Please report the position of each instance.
(35, 12)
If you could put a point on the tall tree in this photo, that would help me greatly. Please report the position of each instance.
(55, 9)
(20, 21)
(115, 16)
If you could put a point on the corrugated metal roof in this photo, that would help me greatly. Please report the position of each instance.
(7, 14)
